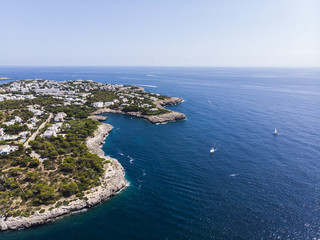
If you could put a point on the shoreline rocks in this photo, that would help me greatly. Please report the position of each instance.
(170, 101)
(98, 118)
(164, 118)
(155, 119)
(112, 182)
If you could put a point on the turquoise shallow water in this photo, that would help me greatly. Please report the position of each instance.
(255, 186)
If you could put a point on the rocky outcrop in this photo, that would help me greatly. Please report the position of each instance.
(164, 118)
(112, 182)
(98, 118)
(170, 101)
(155, 119)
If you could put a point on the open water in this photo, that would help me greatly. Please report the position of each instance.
(255, 186)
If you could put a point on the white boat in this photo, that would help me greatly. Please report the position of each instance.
(212, 150)
(275, 132)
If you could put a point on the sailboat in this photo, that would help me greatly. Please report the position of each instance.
(275, 132)
(212, 150)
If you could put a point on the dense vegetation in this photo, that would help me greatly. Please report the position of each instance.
(15, 128)
(18, 104)
(24, 114)
(66, 169)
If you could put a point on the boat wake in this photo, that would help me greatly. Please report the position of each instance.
(120, 153)
(131, 159)
(141, 180)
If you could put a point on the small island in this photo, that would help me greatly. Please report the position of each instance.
(51, 163)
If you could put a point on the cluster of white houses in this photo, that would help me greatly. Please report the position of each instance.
(21, 136)
(55, 128)
(76, 92)
(8, 137)
(6, 149)
(35, 110)
(52, 131)
(16, 119)
(60, 117)
(62, 88)
(71, 92)
(10, 96)
(104, 104)
(31, 123)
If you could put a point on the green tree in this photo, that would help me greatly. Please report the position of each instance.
(34, 162)
(45, 194)
(68, 189)
(32, 176)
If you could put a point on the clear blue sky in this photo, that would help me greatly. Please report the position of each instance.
(160, 33)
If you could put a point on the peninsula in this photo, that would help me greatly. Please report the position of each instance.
(51, 163)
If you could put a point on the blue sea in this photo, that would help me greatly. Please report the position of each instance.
(255, 186)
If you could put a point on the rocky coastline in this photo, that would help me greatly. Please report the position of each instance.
(170, 101)
(98, 118)
(155, 119)
(113, 181)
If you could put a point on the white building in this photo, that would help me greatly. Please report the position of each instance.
(9, 123)
(53, 130)
(153, 109)
(59, 117)
(34, 119)
(6, 149)
(49, 133)
(31, 125)
(24, 134)
(98, 104)
(9, 137)
(108, 103)
(17, 119)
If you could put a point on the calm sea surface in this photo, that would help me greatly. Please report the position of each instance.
(255, 186)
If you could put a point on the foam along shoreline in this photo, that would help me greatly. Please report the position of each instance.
(111, 183)
(155, 119)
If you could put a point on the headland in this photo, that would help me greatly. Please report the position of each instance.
(51, 163)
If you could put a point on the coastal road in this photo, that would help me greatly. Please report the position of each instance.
(33, 136)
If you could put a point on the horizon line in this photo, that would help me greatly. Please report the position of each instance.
(159, 66)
